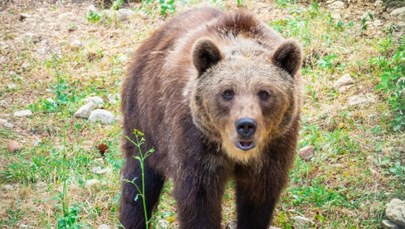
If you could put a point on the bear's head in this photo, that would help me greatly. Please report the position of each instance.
(246, 94)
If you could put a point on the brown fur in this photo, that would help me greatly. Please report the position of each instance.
(174, 93)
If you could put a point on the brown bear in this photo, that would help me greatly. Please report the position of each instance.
(218, 97)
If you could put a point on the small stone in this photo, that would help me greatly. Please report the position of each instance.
(99, 170)
(103, 226)
(14, 147)
(76, 44)
(124, 14)
(386, 224)
(301, 222)
(377, 23)
(337, 5)
(92, 182)
(32, 37)
(359, 100)
(3, 59)
(97, 100)
(85, 110)
(8, 125)
(91, 8)
(162, 223)
(2, 122)
(8, 187)
(395, 211)
(23, 113)
(399, 12)
(343, 81)
(11, 86)
(102, 116)
(26, 65)
(231, 225)
(307, 153)
(378, 3)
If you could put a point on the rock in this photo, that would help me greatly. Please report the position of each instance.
(23, 113)
(8, 125)
(162, 223)
(386, 224)
(301, 222)
(99, 170)
(343, 81)
(399, 12)
(2, 122)
(102, 116)
(359, 100)
(8, 187)
(11, 86)
(97, 100)
(337, 5)
(231, 225)
(32, 37)
(378, 3)
(103, 226)
(85, 110)
(76, 44)
(91, 8)
(14, 147)
(377, 23)
(307, 152)
(3, 59)
(92, 182)
(124, 14)
(395, 211)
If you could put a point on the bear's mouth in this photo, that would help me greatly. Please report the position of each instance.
(245, 145)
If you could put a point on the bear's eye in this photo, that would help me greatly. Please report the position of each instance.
(263, 95)
(228, 94)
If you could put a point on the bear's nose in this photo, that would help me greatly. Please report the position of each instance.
(246, 127)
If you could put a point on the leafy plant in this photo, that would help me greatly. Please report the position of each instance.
(167, 6)
(393, 83)
(117, 4)
(141, 157)
(93, 16)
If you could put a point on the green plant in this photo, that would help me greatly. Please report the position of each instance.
(117, 4)
(141, 157)
(93, 16)
(70, 213)
(167, 6)
(392, 81)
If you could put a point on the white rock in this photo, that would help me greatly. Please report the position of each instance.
(113, 98)
(26, 65)
(231, 225)
(377, 23)
(11, 86)
(85, 110)
(32, 37)
(399, 12)
(91, 8)
(162, 223)
(395, 211)
(8, 187)
(92, 182)
(103, 226)
(337, 5)
(22, 113)
(2, 122)
(76, 44)
(378, 3)
(301, 222)
(97, 100)
(2, 59)
(8, 125)
(360, 100)
(124, 14)
(386, 224)
(99, 170)
(102, 116)
(343, 81)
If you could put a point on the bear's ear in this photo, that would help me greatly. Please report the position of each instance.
(288, 56)
(205, 55)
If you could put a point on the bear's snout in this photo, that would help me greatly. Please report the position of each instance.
(246, 127)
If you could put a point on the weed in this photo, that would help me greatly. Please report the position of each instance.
(392, 82)
(93, 16)
(117, 4)
(141, 157)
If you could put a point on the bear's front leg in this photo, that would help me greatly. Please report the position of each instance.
(256, 198)
(199, 195)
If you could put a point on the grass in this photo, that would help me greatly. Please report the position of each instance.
(55, 181)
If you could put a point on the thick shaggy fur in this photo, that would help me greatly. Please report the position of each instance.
(188, 85)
